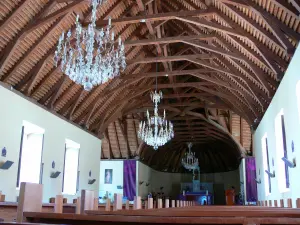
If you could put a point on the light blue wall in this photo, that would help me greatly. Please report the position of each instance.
(286, 99)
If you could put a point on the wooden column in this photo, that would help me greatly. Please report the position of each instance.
(77, 207)
(289, 203)
(270, 203)
(150, 203)
(127, 205)
(177, 203)
(281, 203)
(58, 205)
(30, 199)
(167, 203)
(117, 202)
(96, 203)
(137, 203)
(266, 202)
(146, 204)
(87, 200)
(298, 203)
(173, 204)
(107, 205)
(159, 203)
(275, 203)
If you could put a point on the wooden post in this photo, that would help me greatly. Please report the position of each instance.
(159, 203)
(58, 205)
(87, 200)
(298, 203)
(127, 205)
(177, 203)
(289, 203)
(30, 199)
(262, 203)
(77, 207)
(270, 203)
(281, 203)
(275, 203)
(146, 204)
(150, 203)
(258, 203)
(107, 204)
(266, 202)
(167, 203)
(137, 202)
(118, 202)
(96, 203)
(173, 204)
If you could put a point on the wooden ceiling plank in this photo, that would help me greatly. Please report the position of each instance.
(24, 57)
(15, 11)
(153, 17)
(106, 136)
(75, 101)
(281, 38)
(30, 77)
(51, 91)
(117, 137)
(124, 131)
(168, 40)
(168, 58)
(41, 21)
(9, 49)
(58, 91)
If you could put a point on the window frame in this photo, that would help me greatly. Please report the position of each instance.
(64, 170)
(281, 151)
(40, 180)
(266, 164)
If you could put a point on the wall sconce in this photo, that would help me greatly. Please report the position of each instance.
(141, 182)
(291, 164)
(147, 184)
(258, 181)
(54, 174)
(271, 175)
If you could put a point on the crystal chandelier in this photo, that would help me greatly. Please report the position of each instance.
(93, 57)
(156, 130)
(189, 161)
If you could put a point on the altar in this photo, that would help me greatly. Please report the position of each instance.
(202, 193)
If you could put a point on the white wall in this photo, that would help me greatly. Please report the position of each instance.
(117, 178)
(285, 98)
(15, 109)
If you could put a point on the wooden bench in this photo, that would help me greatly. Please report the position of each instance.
(172, 218)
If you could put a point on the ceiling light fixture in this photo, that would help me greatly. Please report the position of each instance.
(156, 130)
(93, 58)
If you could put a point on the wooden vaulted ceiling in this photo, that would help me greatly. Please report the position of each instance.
(217, 60)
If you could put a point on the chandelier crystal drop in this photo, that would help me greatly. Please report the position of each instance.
(93, 58)
(189, 161)
(156, 130)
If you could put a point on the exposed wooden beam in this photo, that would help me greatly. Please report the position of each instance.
(153, 17)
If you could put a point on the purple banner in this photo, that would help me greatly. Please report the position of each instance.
(129, 179)
(251, 186)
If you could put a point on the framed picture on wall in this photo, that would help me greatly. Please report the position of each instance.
(108, 176)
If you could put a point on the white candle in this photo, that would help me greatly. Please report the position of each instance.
(120, 41)
(109, 21)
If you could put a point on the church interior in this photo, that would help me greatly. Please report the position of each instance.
(149, 112)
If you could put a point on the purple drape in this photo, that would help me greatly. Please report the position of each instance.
(129, 179)
(251, 186)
